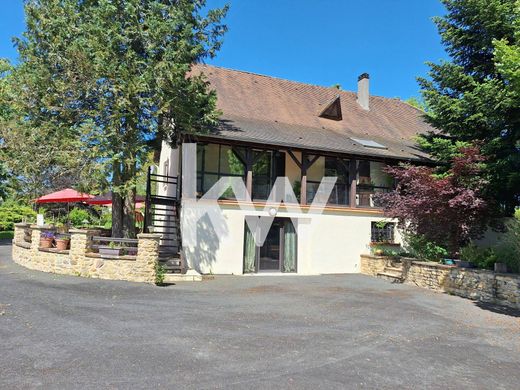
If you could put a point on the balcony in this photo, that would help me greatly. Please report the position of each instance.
(358, 181)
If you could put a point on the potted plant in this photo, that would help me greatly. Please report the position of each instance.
(111, 250)
(62, 243)
(46, 239)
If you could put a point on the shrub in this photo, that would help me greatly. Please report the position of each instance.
(77, 217)
(423, 249)
(11, 213)
(508, 249)
(160, 272)
(106, 220)
(6, 235)
(482, 257)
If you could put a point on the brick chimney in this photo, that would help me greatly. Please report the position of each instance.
(363, 95)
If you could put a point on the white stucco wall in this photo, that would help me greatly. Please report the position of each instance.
(327, 243)
(168, 166)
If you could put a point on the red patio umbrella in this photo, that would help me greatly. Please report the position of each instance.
(68, 195)
(106, 199)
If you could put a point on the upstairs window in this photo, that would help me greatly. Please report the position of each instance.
(214, 162)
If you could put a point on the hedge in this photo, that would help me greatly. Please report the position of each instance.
(11, 213)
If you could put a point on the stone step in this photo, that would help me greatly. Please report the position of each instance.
(394, 277)
(175, 278)
(393, 269)
(171, 262)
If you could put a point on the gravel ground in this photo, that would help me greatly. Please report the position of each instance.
(316, 332)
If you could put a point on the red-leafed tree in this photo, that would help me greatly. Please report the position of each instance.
(446, 209)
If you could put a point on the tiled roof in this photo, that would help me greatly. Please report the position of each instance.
(268, 110)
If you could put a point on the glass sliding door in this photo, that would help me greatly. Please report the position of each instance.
(270, 252)
(278, 252)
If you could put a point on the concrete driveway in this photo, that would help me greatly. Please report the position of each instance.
(319, 332)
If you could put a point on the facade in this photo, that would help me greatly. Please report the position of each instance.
(271, 128)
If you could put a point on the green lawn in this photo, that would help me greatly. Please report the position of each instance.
(6, 235)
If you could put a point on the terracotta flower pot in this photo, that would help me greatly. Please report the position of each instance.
(62, 244)
(46, 242)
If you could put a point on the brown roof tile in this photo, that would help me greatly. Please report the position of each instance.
(274, 111)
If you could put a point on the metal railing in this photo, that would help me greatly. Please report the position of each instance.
(366, 195)
(338, 196)
(112, 246)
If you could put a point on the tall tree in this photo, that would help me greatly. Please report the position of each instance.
(470, 98)
(112, 70)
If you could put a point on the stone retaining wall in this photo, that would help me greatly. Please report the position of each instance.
(480, 285)
(78, 260)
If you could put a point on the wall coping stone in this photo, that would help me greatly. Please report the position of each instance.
(43, 227)
(149, 236)
(82, 231)
(22, 224)
(25, 245)
(434, 265)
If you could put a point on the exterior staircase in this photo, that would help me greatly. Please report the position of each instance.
(393, 271)
(162, 216)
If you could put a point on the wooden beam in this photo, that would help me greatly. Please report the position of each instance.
(353, 182)
(240, 156)
(309, 163)
(303, 186)
(249, 160)
(298, 163)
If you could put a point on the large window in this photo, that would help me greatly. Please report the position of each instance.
(214, 162)
(332, 167)
(267, 167)
(371, 180)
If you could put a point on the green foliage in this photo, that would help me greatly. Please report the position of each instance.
(505, 250)
(7, 235)
(160, 273)
(481, 257)
(419, 247)
(77, 217)
(4, 183)
(475, 97)
(99, 83)
(508, 249)
(442, 149)
(106, 220)
(382, 250)
(113, 245)
(11, 213)
(417, 103)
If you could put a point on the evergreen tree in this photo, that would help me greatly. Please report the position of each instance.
(472, 98)
(103, 74)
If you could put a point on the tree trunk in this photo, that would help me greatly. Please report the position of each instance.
(129, 173)
(117, 203)
(129, 214)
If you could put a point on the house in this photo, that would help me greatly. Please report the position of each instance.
(272, 128)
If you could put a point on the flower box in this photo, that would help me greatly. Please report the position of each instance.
(110, 251)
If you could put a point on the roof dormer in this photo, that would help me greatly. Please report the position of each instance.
(332, 110)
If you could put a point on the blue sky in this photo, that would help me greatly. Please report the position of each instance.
(319, 42)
